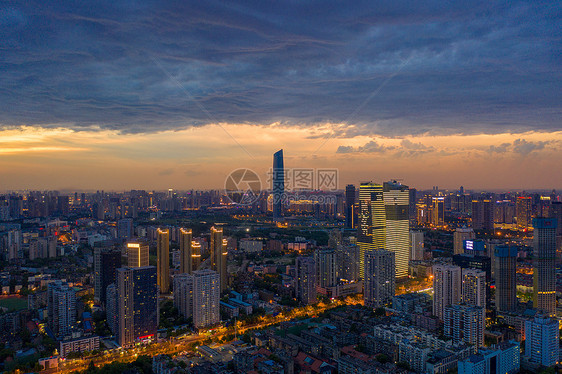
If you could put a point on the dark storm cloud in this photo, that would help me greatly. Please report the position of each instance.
(425, 67)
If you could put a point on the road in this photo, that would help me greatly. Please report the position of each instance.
(177, 345)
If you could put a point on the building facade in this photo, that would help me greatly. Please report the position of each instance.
(447, 287)
(137, 254)
(541, 341)
(474, 287)
(219, 255)
(544, 265)
(163, 253)
(61, 304)
(506, 277)
(305, 280)
(186, 252)
(396, 200)
(106, 262)
(137, 305)
(371, 229)
(206, 298)
(380, 278)
(417, 246)
(326, 267)
(465, 324)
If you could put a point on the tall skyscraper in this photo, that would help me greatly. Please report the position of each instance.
(186, 253)
(474, 287)
(542, 341)
(278, 189)
(206, 298)
(447, 287)
(459, 236)
(183, 294)
(380, 278)
(371, 230)
(438, 211)
(523, 212)
(305, 281)
(137, 254)
(350, 213)
(219, 255)
(396, 200)
(61, 308)
(347, 261)
(417, 246)
(465, 324)
(544, 265)
(163, 252)
(483, 215)
(326, 267)
(505, 277)
(196, 255)
(106, 262)
(137, 305)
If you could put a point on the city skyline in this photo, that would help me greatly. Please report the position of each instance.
(280, 187)
(179, 95)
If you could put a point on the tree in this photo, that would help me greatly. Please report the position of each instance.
(91, 367)
(382, 358)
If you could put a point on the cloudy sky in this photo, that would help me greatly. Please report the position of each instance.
(139, 94)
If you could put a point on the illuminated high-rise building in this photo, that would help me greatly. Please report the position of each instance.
(137, 254)
(380, 278)
(186, 251)
(447, 287)
(544, 265)
(137, 305)
(505, 276)
(278, 188)
(350, 214)
(61, 308)
(459, 236)
(523, 212)
(371, 230)
(206, 298)
(326, 267)
(347, 261)
(438, 211)
(305, 280)
(474, 287)
(219, 255)
(163, 253)
(196, 255)
(396, 200)
(417, 247)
